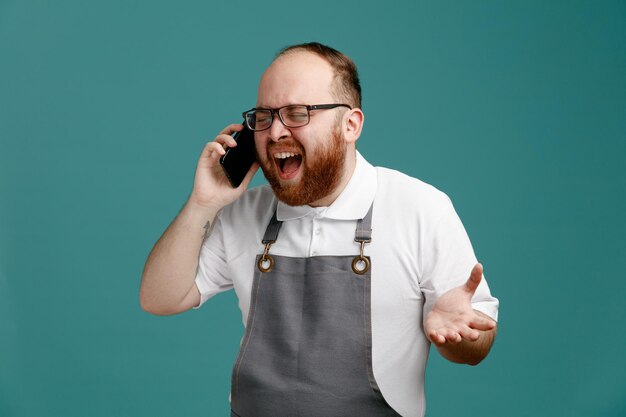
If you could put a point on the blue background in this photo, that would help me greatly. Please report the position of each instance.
(515, 109)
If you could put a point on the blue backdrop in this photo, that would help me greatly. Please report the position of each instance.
(517, 110)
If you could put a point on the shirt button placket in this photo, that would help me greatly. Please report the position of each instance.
(314, 241)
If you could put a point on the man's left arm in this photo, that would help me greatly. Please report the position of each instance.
(461, 334)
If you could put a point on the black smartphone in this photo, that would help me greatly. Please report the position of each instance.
(237, 161)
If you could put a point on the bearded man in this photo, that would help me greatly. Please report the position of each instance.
(345, 272)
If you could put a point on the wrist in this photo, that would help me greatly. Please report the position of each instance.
(200, 206)
(198, 213)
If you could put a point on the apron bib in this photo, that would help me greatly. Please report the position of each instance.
(307, 350)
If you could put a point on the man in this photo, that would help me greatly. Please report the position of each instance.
(345, 273)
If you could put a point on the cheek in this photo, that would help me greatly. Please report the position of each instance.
(308, 139)
(316, 143)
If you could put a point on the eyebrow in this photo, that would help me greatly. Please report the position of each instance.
(279, 107)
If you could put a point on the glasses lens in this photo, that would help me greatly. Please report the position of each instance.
(259, 119)
(294, 116)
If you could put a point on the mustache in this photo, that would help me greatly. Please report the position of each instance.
(291, 145)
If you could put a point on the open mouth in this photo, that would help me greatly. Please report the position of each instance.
(288, 164)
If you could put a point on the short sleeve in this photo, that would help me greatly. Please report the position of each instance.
(447, 260)
(212, 273)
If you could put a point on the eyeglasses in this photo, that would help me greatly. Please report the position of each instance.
(294, 115)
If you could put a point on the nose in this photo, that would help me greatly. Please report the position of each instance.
(277, 130)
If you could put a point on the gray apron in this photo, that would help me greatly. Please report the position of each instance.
(307, 350)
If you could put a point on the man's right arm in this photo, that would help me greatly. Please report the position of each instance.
(168, 280)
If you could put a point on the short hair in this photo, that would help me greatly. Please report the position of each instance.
(346, 85)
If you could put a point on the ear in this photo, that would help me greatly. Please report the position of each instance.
(353, 124)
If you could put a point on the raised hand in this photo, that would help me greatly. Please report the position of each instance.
(453, 319)
(211, 187)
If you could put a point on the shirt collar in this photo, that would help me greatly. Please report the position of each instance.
(352, 204)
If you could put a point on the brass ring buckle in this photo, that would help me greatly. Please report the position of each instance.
(358, 261)
(355, 265)
(265, 262)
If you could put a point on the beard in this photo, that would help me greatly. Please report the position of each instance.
(321, 173)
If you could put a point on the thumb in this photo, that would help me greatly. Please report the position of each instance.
(474, 279)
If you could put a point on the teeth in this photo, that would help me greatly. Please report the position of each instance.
(283, 155)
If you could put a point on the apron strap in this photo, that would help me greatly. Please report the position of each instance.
(364, 227)
(271, 233)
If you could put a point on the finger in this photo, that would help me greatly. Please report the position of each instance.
(474, 279)
(226, 140)
(446, 335)
(469, 334)
(230, 129)
(212, 149)
(436, 338)
(482, 323)
(453, 337)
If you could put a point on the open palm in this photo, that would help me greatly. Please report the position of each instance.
(453, 319)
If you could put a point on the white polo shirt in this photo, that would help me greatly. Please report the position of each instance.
(419, 250)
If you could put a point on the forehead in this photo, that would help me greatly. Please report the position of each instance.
(296, 78)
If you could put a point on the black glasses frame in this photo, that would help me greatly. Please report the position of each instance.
(280, 115)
